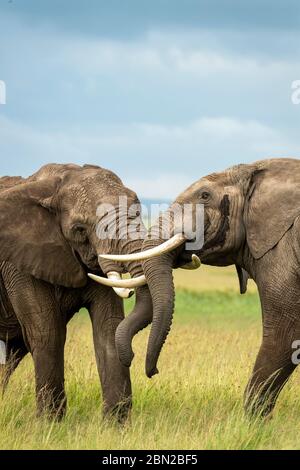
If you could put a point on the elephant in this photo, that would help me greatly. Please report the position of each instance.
(49, 243)
(251, 220)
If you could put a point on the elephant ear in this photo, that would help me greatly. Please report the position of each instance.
(272, 204)
(30, 234)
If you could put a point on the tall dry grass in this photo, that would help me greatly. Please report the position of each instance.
(194, 403)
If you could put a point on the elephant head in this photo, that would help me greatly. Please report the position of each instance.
(53, 226)
(247, 210)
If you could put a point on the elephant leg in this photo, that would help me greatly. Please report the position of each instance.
(49, 375)
(15, 352)
(275, 361)
(106, 312)
(271, 372)
(44, 332)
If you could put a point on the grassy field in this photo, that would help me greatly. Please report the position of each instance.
(194, 403)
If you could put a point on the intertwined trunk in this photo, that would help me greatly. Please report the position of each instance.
(137, 320)
(141, 316)
(158, 272)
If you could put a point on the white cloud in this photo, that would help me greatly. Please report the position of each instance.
(156, 55)
(162, 187)
(156, 161)
(160, 110)
(165, 54)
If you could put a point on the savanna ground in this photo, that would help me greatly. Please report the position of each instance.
(194, 403)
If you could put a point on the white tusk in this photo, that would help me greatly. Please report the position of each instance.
(122, 292)
(194, 264)
(165, 247)
(122, 283)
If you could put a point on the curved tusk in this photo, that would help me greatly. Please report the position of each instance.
(122, 283)
(165, 247)
(194, 264)
(122, 292)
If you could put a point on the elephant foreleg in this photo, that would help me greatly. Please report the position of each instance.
(44, 332)
(106, 311)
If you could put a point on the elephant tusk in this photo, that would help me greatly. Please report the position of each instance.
(119, 283)
(122, 292)
(194, 264)
(165, 247)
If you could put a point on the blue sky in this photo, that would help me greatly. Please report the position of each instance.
(161, 92)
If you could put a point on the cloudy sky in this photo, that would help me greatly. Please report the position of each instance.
(160, 91)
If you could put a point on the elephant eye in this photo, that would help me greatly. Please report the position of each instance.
(205, 195)
(79, 230)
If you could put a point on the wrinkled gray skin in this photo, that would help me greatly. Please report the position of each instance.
(48, 243)
(252, 220)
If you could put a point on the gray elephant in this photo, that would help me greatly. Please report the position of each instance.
(49, 241)
(251, 220)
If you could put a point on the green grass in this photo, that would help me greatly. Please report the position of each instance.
(194, 403)
(216, 309)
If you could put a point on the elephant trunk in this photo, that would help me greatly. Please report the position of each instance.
(137, 320)
(141, 316)
(158, 272)
(158, 275)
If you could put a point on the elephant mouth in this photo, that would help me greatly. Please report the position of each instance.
(183, 258)
(89, 262)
